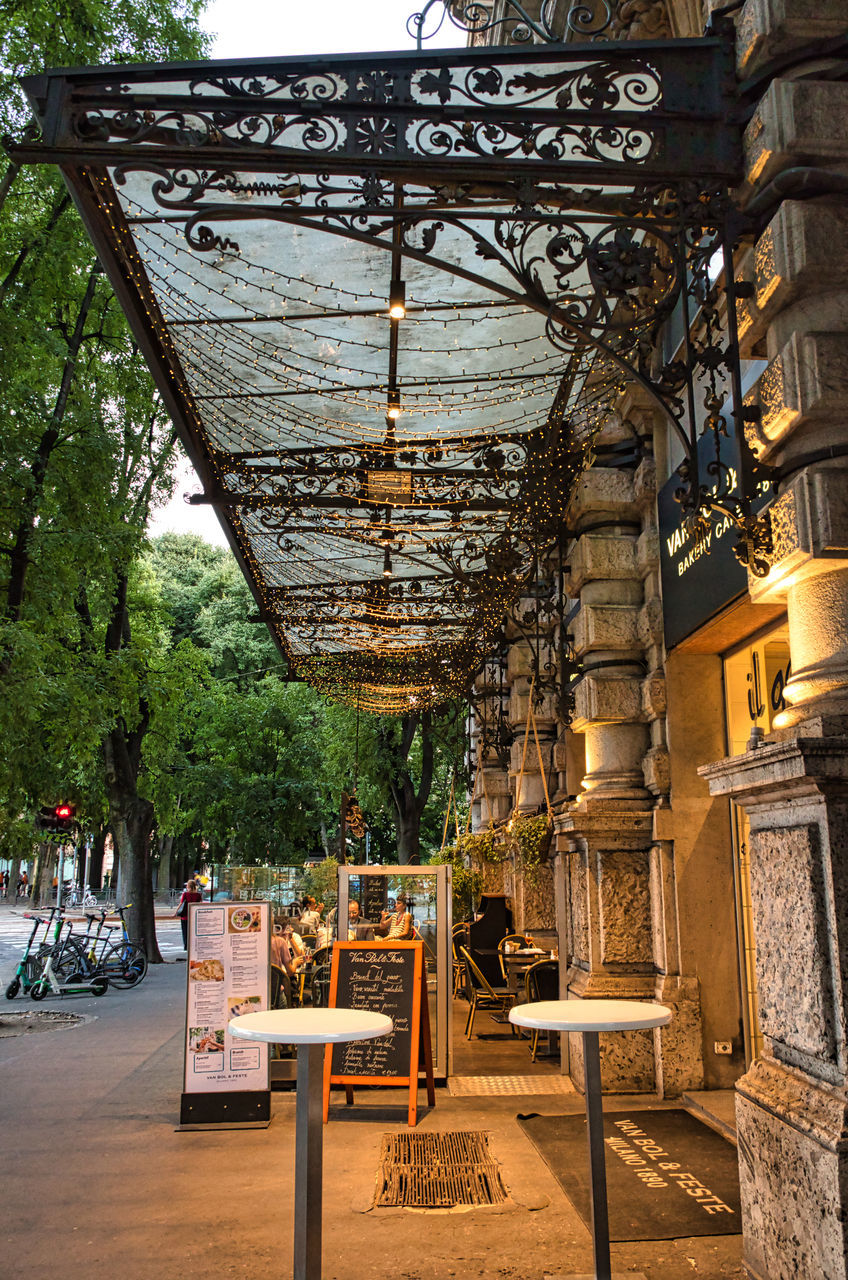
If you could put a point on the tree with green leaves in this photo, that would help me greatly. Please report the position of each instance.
(85, 449)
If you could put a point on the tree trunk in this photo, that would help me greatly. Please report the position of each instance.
(166, 845)
(42, 876)
(408, 829)
(95, 863)
(131, 818)
(409, 803)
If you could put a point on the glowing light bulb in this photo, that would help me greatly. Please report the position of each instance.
(397, 300)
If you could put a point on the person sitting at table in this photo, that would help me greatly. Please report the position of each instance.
(294, 940)
(398, 924)
(310, 917)
(282, 957)
(354, 919)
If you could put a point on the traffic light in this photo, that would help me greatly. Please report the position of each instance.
(56, 820)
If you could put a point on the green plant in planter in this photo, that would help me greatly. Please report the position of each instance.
(467, 884)
(484, 846)
(529, 841)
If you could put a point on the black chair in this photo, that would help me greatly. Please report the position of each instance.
(320, 986)
(541, 982)
(482, 995)
(513, 939)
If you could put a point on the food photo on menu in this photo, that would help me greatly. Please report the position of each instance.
(244, 1004)
(206, 1039)
(210, 970)
(244, 919)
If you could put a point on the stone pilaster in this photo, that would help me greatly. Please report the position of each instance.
(792, 1104)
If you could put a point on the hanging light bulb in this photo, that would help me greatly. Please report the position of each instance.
(387, 563)
(393, 411)
(397, 300)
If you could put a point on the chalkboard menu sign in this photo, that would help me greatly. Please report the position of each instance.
(387, 978)
(373, 900)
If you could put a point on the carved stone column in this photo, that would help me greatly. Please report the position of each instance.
(621, 877)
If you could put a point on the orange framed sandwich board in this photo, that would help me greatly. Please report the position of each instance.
(390, 978)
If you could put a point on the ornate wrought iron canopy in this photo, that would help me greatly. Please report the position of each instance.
(389, 301)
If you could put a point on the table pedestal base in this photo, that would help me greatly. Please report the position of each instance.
(308, 1155)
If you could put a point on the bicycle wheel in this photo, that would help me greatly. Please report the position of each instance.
(124, 965)
(13, 988)
(70, 964)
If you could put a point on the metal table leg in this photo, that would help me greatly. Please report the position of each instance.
(308, 1154)
(597, 1166)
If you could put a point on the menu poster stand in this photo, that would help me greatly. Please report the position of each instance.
(387, 978)
(228, 973)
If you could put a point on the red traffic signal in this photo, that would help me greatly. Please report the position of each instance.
(57, 819)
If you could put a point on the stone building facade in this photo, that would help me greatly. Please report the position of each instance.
(700, 793)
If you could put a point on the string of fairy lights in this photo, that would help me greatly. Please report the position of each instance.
(274, 361)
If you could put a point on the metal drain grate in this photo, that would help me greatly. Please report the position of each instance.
(438, 1170)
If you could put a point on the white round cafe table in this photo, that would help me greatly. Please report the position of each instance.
(310, 1030)
(590, 1017)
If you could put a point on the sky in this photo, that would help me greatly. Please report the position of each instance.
(278, 28)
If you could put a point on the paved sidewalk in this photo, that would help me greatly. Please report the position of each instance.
(97, 1184)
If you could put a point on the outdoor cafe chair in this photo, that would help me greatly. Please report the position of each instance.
(541, 982)
(511, 938)
(481, 993)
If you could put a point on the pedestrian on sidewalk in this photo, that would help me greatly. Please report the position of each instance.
(190, 893)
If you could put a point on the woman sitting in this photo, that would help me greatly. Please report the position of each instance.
(398, 924)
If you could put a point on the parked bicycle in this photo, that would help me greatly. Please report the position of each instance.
(123, 963)
(75, 896)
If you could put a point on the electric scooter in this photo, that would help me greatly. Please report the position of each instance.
(76, 985)
(29, 968)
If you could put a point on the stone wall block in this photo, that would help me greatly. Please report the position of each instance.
(627, 1061)
(601, 556)
(794, 975)
(625, 907)
(645, 484)
(797, 122)
(790, 1182)
(795, 254)
(654, 695)
(651, 623)
(648, 551)
(608, 699)
(810, 525)
(580, 908)
(518, 662)
(768, 29)
(750, 321)
(656, 770)
(613, 626)
(679, 1059)
(807, 382)
(603, 491)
